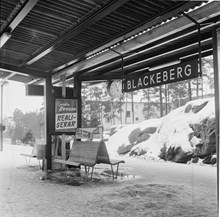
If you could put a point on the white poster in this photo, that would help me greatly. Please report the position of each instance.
(66, 115)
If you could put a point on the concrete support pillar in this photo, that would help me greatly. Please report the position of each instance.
(77, 94)
(49, 116)
(216, 58)
(63, 79)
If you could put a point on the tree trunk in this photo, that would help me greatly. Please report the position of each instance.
(189, 91)
(126, 107)
(132, 107)
(120, 111)
(165, 91)
(148, 103)
(161, 103)
(197, 87)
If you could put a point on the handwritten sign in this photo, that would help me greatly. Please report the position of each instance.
(66, 115)
(82, 133)
(89, 133)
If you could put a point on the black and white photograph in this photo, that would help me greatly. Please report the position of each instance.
(109, 108)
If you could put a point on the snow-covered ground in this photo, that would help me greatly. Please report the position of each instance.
(148, 189)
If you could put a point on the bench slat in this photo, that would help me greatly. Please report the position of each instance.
(28, 155)
(114, 162)
(103, 156)
(67, 162)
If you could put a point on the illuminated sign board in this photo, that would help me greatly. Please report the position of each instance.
(65, 115)
(175, 73)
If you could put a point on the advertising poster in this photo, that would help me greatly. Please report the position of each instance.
(65, 115)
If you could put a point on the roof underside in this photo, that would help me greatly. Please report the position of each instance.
(88, 38)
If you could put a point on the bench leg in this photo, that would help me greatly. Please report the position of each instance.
(41, 164)
(25, 159)
(92, 172)
(87, 172)
(115, 175)
(65, 169)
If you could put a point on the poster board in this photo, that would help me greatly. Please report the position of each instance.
(65, 115)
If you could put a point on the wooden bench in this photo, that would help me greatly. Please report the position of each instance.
(83, 153)
(88, 154)
(33, 154)
(103, 157)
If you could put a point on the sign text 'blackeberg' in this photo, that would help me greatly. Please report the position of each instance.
(180, 72)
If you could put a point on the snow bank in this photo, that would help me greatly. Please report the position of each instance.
(127, 137)
(169, 137)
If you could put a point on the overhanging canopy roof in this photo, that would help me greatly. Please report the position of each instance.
(88, 38)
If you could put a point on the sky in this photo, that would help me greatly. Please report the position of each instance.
(14, 97)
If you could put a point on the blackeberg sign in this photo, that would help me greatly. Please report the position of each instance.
(175, 73)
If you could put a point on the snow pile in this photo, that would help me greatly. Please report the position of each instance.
(176, 137)
(126, 137)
